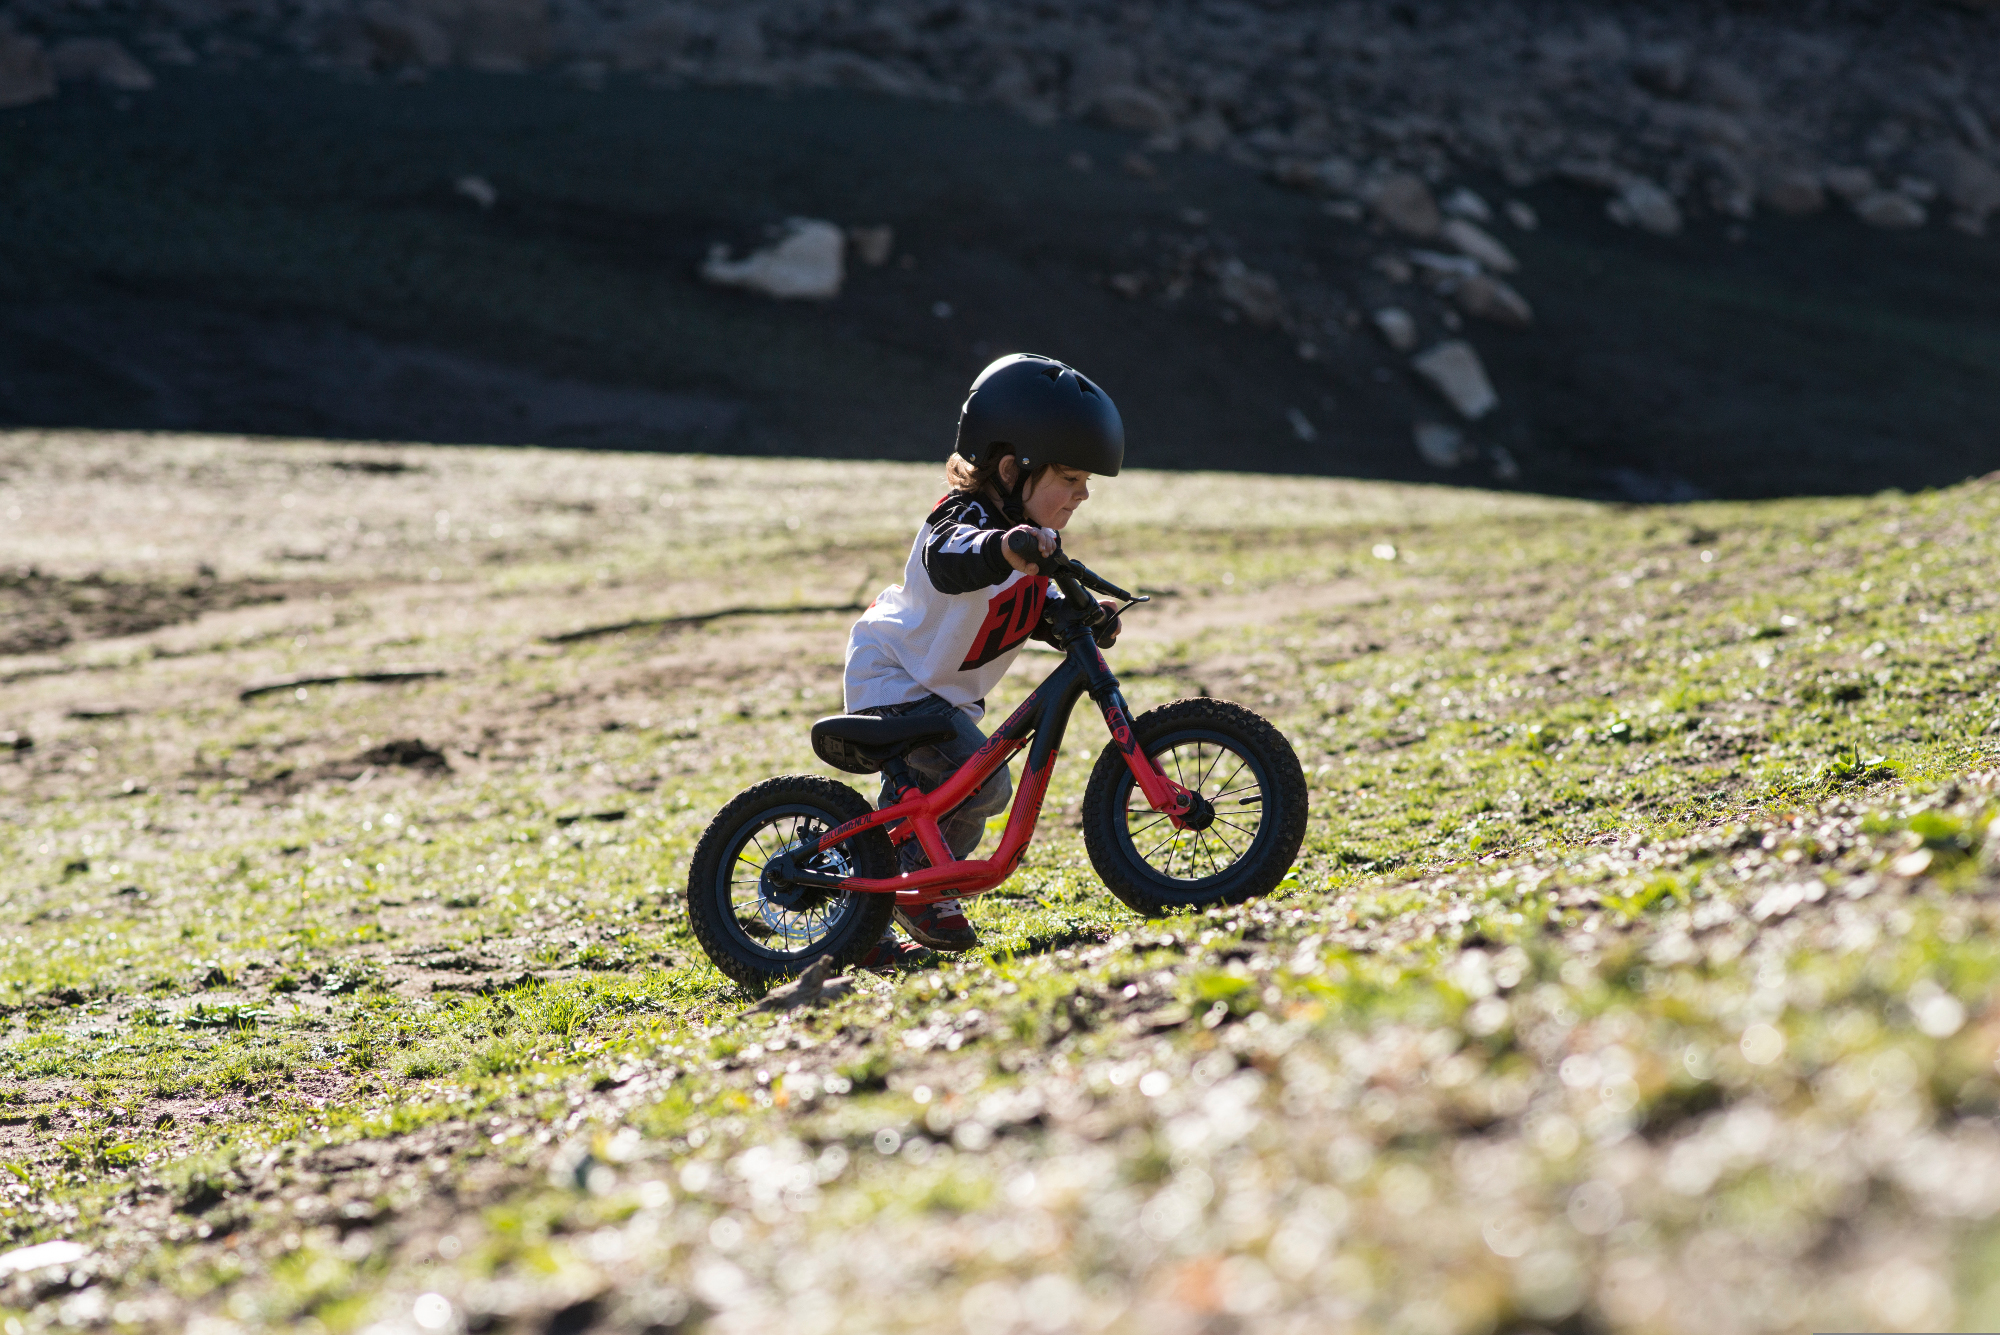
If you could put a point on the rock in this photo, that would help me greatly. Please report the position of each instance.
(1522, 215)
(1336, 175)
(1398, 329)
(102, 60)
(1793, 190)
(1441, 446)
(1487, 298)
(1723, 84)
(1642, 204)
(1456, 372)
(407, 753)
(1302, 426)
(1207, 132)
(1405, 203)
(1252, 292)
(1850, 183)
(1969, 182)
(1466, 203)
(805, 264)
(810, 988)
(477, 189)
(1127, 106)
(25, 74)
(11, 740)
(1662, 69)
(1472, 239)
(399, 38)
(1890, 209)
(1918, 188)
(872, 245)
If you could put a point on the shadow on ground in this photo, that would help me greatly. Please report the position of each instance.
(286, 254)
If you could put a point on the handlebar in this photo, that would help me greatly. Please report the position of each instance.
(1072, 577)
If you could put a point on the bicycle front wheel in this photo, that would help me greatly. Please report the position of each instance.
(1249, 775)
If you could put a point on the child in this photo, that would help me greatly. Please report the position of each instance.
(1030, 436)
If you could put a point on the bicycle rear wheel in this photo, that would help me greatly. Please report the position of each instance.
(761, 933)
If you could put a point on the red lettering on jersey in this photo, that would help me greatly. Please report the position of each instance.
(1010, 615)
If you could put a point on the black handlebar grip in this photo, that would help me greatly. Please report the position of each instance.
(1025, 547)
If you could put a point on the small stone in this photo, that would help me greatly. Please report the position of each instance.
(1302, 426)
(1795, 191)
(25, 74)
(1890, 209)
(1132, 285)
(806, 264)
(1485, 297)
(1398, 329)
(1919, 188)
(1522, 215)
(872, 245)
(1969, 182)
(1405, 203)
(1207, 132)
(1441, 446)
(1643, 204)
(477, 189)
(102, 60)
(1455, 371)
(1139, 165)
(1466, 203)
(1472, 239)
(1252, 292)
(1129, 107)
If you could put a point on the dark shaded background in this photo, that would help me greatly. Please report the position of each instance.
(284, 253)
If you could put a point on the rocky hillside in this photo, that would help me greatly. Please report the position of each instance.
(1583, 247)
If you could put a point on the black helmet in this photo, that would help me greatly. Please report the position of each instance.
(1045, 413)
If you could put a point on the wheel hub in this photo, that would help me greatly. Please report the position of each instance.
(1200, 813)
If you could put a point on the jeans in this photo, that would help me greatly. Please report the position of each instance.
(932, 764)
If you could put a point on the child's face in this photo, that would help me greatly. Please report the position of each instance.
(1055, 498)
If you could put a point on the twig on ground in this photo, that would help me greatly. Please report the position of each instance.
(335, 679)
(696, 619)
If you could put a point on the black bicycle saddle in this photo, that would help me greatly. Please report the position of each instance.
(864, 743)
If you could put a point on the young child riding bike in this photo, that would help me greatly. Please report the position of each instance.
(1031, 435)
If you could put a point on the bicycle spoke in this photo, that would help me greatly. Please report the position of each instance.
(1232, 774)
(1147, 856)
(1136, 832)
(1234, 826)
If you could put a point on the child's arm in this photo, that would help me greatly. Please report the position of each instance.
(964, 553)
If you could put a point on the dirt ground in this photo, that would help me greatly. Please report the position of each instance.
(285, 253)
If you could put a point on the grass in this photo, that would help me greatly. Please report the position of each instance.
(1638, 973)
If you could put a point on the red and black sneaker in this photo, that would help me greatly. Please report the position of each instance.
(893, 953)
(941, 926)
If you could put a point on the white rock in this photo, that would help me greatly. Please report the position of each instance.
(477, 189)
(805, 265)
(1441, 446)
(1522, 215)
(1442, 266)
(41, 1256)
(100, 59)
(1455, 370)
(1644, 205)
(1889, 208)
(1397, 328)
(25, 75)
(1466, 203)
(1474, 240)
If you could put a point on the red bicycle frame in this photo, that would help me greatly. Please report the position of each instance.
(1037, 724)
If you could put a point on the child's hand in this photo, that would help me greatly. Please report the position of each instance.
(1107, 631)
(1045, 539)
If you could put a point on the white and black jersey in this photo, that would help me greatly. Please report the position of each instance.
(954, 624)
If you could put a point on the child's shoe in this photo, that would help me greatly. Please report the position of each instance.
(891, 953)
(941, 926)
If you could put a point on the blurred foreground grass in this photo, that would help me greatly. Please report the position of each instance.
(1639, 974)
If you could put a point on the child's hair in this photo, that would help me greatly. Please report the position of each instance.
(964, 478)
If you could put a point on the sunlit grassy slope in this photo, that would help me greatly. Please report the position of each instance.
(1639, 973)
